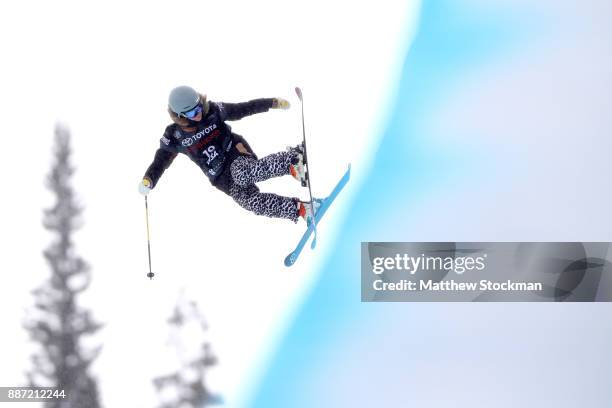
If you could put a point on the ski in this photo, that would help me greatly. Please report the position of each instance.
(298, 92)
(326, 203)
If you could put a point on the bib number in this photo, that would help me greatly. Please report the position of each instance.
(211, 154)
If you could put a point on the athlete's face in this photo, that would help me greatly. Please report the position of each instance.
(197, 117)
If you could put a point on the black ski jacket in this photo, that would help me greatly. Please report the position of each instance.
(212, 146)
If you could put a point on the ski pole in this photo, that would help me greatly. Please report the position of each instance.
(150, 274)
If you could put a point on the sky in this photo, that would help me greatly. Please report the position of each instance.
(104, 69)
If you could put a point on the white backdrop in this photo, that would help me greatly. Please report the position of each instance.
(104, 69)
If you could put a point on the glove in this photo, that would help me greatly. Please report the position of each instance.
(144, 187)
(280, 103)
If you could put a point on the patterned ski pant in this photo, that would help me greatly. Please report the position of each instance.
(246, 171)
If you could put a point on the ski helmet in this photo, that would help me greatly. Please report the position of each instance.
(183, 99)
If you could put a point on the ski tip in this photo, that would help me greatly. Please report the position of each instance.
(298, 92)
(290, 259)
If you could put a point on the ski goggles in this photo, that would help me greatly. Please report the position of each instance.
(190, 114)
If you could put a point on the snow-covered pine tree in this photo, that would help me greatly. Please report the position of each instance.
(186, 388)
(58, 324)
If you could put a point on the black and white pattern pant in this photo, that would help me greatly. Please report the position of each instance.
(246, 171)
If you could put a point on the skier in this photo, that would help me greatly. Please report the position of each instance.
(200, 132)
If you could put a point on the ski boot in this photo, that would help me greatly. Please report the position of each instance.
(307, 210)
(297, 167)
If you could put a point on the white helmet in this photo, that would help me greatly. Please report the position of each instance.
(183, 99)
